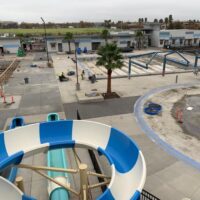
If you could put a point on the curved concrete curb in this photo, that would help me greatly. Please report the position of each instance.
(138, 112)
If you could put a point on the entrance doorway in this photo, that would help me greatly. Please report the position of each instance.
(129, 44)
(149, 42)
(95, 45)
(60, 47)
(1, 51)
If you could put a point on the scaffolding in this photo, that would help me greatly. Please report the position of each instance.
(185, 62)
(6, 74)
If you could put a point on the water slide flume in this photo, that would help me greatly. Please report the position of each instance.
(58, 159)
(125, 158)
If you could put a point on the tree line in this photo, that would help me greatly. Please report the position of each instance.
(169, 23)
(26, 25)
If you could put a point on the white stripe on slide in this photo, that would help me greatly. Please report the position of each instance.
(22, 139)
(91, 133)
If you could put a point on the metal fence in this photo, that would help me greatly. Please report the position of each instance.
(147, 196)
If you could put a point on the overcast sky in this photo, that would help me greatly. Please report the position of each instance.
(96, 10)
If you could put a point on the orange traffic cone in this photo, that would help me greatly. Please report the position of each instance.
(4, 99)
(12, 99)
(1, 93)
(179, 115)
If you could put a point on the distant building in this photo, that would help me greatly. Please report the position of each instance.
(33, 44)
(152, 36)
(9, 45)
(179, 38)
(123, 39)
(113, 28)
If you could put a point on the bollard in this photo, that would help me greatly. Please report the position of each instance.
(176, 78)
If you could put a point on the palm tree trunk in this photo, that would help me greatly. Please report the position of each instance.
(139, 44)
(109, 73)
(69, 46)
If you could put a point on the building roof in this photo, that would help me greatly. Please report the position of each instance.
(9, 38)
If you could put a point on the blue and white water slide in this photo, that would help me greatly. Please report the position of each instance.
(125, 158)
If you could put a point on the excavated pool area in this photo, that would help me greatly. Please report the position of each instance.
(178, 124)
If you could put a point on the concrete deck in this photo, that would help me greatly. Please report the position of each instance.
(168, 177)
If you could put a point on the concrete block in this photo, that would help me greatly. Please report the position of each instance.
(82, 98)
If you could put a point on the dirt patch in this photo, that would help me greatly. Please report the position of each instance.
(184, 137)
(179, 105)
(110, 95)
(191, 118)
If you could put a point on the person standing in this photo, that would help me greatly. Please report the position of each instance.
(83, 74)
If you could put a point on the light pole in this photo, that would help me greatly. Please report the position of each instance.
(45, 34)
(77, 82)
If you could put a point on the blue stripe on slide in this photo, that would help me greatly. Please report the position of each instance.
(13, 159)
(24, 197)
(107, 195)
(3, 152)
(102, 152)
(136, 196)
(55, 132)
(59, 145)
(122, 150)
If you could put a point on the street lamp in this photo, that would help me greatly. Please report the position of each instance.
(77, 82)
(45, 34)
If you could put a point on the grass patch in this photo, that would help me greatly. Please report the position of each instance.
(53, 31)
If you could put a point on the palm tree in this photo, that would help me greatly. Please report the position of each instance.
(105, 35)
(69, 36)
(166, 21)
(139, 35)
(111, 58)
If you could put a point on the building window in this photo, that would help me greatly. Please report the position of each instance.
(173, 41)
(181, 41)
(161, 42)
(53, 45)
(195, 41)
(123, 42)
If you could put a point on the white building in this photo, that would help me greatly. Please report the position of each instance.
(9, 45)
(179, 38)
(152, 36)
(92, 42)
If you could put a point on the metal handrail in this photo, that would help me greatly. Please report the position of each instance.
(9, 70)
(147, 196)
